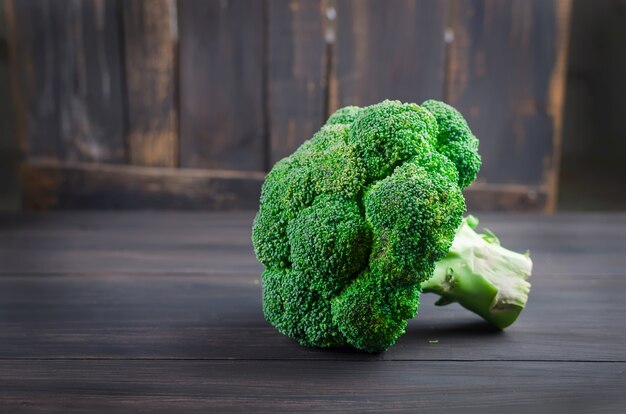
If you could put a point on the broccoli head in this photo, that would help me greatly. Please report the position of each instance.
(352, 223)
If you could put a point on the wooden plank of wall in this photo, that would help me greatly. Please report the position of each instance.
(151, 41)
(76, 185)
(506, 74)
(51, 185)
(9, 150)
(594, 137)
(297, 74)
(388, 49)
(221, 84)
(31, 49)
(67, 92)
(505, 197)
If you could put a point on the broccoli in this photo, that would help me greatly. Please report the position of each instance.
(351, 225)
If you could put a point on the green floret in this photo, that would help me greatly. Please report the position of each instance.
(298, 311)
(330, 242)
(371, 313)
(345, 115)
(482, 276)
(286, 190)
(333, 164)
(413, 213)
(456, 141)
(325, 164)
(352, 223)
(388, 133)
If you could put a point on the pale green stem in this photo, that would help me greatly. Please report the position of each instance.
(482, 276)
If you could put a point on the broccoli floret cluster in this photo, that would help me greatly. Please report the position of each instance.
(352, 223)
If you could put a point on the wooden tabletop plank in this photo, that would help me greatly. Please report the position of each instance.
(572, 244)
(219, 316)
(305, 386)
(161, 312)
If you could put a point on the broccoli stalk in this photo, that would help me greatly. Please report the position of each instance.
(482, 276)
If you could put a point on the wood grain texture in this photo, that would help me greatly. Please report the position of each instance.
(82, 185)
(297, 74)
(50, 185)
(556, 98)
(506, 74)
(388, 50)
(505, 197)
(218, 316)
(162, 312)
(595, 74)
(67, 86)
(561, 246)
(258, 386)
(10, 153)
(151, 53)
(221, 84)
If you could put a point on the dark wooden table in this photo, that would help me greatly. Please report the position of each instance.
(161, 312)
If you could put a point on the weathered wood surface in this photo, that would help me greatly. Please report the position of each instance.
(388, 50)
(9, 148)
(297, 73)
(105, 311)
(311, 386)
(506, 74)
(151, 56)
(199, 242)
(505, 197)
(246, 82)
(215, 316)
(49, 185)
(221, 84)
(67, 69)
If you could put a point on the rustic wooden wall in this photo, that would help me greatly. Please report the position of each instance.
(150, 56)
(506, 74)
(9, 151)
(137, 103)
(68, 86)
(594, 137)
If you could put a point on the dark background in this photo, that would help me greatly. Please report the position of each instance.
(165, 104)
